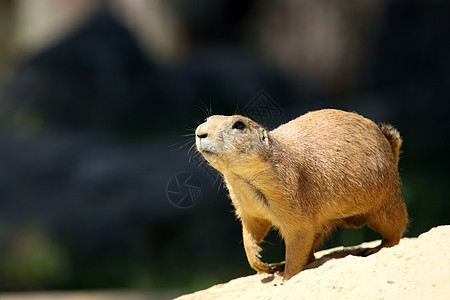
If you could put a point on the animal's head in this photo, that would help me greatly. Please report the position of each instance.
(232, 143)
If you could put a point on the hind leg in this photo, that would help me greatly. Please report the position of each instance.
(390, 223)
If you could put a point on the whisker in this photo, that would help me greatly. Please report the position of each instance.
(207, 111)
(221, 183)
(187, 139)
(182, 141)
(191, 152)
(189, 129)
(237, 111)
(185, 143)
(204, 110)
(197, 154)
(187, 135)
(210, 107)
(200, 160)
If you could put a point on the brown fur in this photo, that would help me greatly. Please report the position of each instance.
(323, 169)
(393, 137)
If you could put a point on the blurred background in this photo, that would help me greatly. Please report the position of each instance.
(99, 100)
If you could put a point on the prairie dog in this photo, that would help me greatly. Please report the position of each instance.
(323, 169)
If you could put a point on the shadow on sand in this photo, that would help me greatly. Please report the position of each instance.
(336, 254)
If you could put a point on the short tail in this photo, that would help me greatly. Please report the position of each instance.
(393, 137)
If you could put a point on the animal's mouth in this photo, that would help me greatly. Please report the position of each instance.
(207, 152)
(206, 148)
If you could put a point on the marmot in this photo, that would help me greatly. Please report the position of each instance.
(323, 169)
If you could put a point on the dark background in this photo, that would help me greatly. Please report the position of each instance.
(94, 125)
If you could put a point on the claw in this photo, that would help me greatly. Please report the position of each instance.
(364, 252)
(276, 267)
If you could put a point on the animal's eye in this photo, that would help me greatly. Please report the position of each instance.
(238, 125)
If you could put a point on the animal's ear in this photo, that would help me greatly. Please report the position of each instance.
(264, 137)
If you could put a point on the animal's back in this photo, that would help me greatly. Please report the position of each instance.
(347, 163)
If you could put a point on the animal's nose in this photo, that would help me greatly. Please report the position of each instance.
(202, 131)
(202, 135)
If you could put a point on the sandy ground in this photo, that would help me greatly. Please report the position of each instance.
(417, 268)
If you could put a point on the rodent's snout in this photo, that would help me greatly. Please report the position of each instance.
(200, 132)
(201, 139)
(202, 135)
